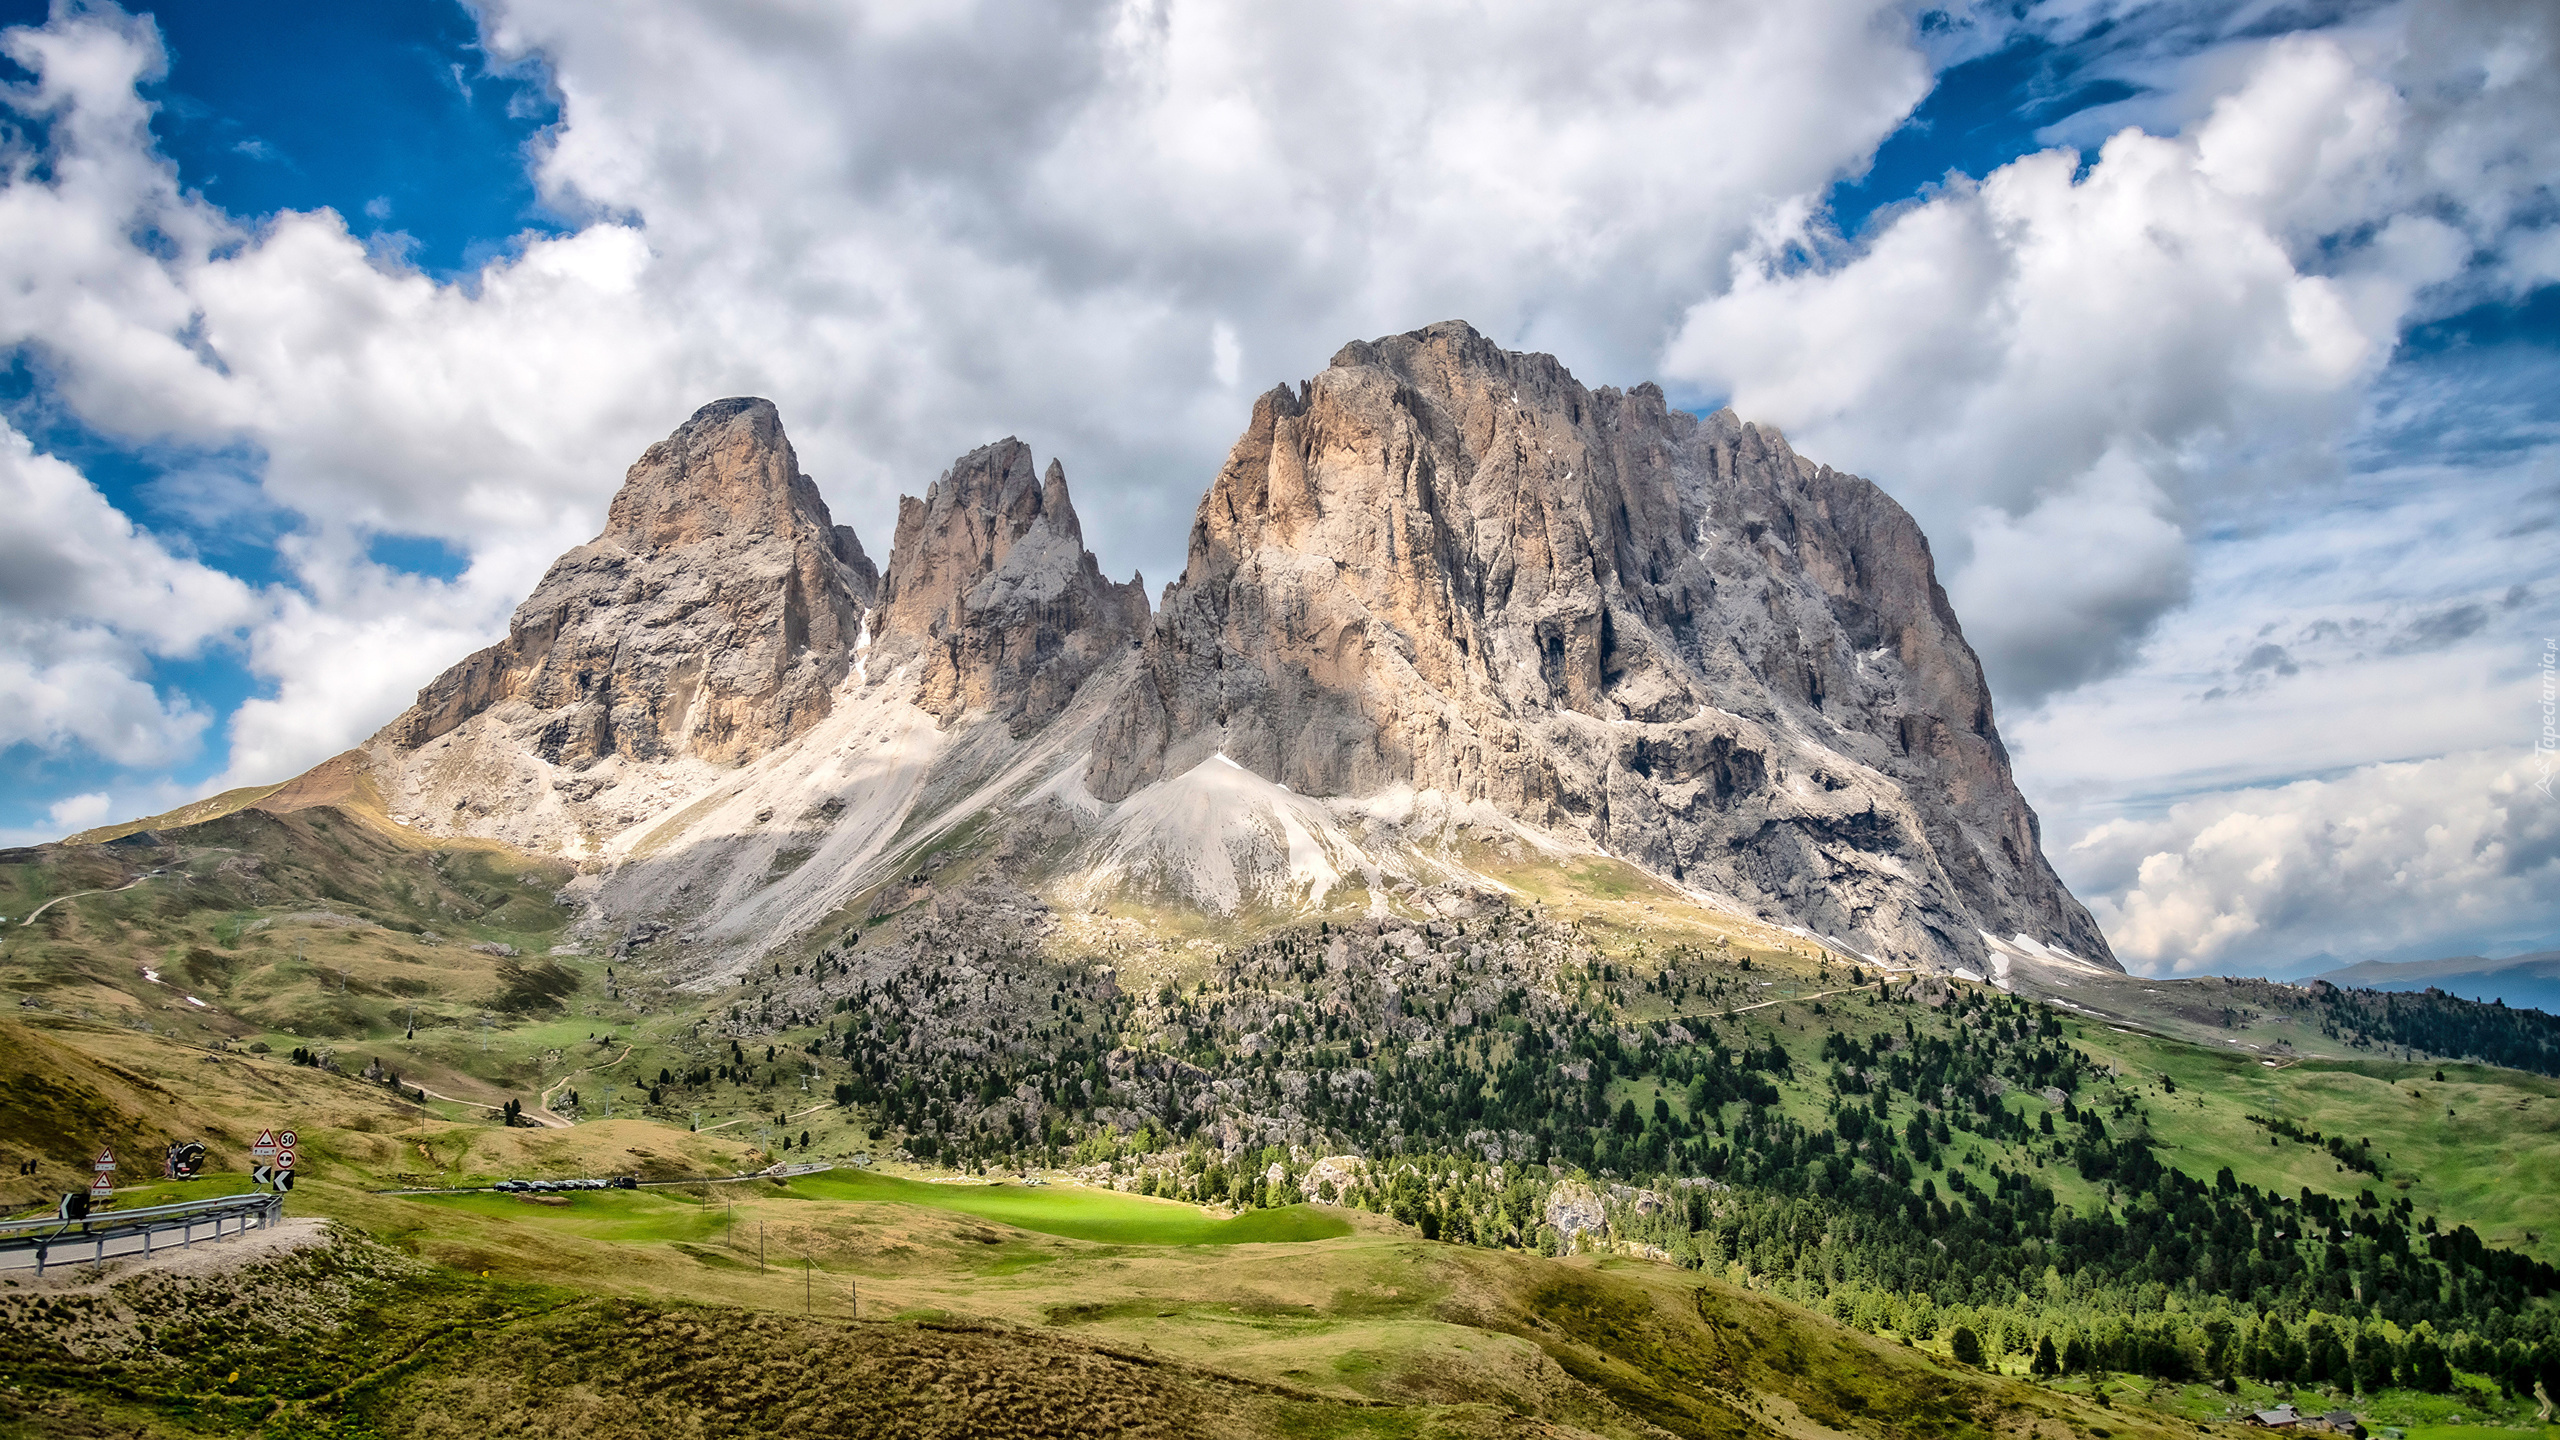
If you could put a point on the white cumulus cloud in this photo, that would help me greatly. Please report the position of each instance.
(78, 812)
(2071, 359)
(87, 601)
(2385, 855)
(2123, 382)
(917, 230)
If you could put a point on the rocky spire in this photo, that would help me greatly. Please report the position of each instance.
(991, 601)
(1446, 565)
(712, 617)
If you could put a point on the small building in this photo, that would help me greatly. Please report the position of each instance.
(2283, 1417)
(2343, 1422)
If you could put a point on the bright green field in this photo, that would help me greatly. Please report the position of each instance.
(1079, 1213)
(2480, 1147)
(2481, 1432)
(647, 1216)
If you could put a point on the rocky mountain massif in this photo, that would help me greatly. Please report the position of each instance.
(1443, 606)
(1440, 566)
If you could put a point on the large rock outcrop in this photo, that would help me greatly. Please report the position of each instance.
(1440, 590)
(1447, 566)
(713, 618)
(993, 596)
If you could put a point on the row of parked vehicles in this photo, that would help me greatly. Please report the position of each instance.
(618, 1182)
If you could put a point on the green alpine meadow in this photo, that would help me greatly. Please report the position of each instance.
(1348, 720)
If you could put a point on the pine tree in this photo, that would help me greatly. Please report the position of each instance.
(2373, 1363)
(2425, 1362)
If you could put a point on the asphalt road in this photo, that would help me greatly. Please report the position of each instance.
(75, 1248)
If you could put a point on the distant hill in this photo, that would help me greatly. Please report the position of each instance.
(2522, 980)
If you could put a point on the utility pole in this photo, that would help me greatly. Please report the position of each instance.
(760, 1265)
(808, 1287)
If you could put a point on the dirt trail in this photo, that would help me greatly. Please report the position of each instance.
(76, 894)
(542, 1104)
(793, 1115)
(543, 1118)
(1765, 1004)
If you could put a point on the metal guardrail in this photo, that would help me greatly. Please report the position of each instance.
(37, 1244)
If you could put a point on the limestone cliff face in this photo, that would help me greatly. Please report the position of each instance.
(713, 618)
(992, 601)
(1438, 567)
(1444, 565)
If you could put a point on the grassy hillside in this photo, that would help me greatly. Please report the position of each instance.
(850, 1303)
(1591, 1158)
(2469, 1144)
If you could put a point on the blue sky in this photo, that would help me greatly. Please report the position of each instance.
(2176, 326)
(386, 114)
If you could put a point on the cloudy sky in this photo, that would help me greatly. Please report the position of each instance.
(2216, 346)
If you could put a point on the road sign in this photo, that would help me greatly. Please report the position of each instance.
(284, 1162)
(265, 1149)
(105, 1162)
(102, 1184)
(284, 1182)
(288, 1141)
(263, 1174)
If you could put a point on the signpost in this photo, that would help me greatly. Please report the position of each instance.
(275, 1156)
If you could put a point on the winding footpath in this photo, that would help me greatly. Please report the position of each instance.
(76, 894)
(543, 1118)
(787, 1119)
(542, 1110)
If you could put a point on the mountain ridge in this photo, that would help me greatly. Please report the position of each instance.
(2530, 979)
(1408, 574)
(1441, 597)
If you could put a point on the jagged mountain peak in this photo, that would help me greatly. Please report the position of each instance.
(991, 598)
(1441, 601)
(712, 618)
(729, 470)
(1445, 566)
